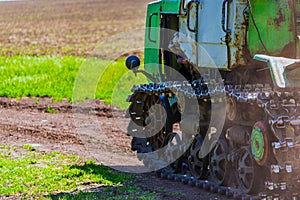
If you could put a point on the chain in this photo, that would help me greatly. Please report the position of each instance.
(282, 112)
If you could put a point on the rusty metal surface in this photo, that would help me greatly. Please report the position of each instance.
(276, 22)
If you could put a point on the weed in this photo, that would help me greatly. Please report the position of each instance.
(160, 189)
(50, 110)
(37, 101)
(28, 147)
(175, 193)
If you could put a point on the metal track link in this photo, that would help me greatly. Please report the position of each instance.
(282, 111)
(231, 193)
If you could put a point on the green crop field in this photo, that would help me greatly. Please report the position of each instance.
(68, 77)
(44, 49)
(38, 76)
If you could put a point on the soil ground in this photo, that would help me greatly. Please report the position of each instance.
(69, 27)
(24, 121)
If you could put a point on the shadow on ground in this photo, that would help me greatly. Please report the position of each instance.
(123, 186)
(100, 192)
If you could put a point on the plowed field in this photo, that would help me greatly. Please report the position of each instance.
(68, 27)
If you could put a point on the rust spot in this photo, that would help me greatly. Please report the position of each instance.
(280, 18)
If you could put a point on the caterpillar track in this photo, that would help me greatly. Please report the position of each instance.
(255, 156)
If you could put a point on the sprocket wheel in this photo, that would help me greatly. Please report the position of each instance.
(197, 165)
(136, 108)
(249, 176)
(219, 166)
(147, 122)
(155, 122)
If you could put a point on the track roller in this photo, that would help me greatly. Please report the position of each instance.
(219, 166)
(197, 165)
(249, 176)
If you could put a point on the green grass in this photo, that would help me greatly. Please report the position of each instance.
(50, 110)
(28, 173)
(68, 77)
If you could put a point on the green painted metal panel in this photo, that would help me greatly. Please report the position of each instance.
(152, 39)
(275, 22)
(170, 6)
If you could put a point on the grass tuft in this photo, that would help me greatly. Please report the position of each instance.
(28, 147)
(50, 110)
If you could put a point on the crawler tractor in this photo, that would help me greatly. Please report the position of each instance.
(221, 105)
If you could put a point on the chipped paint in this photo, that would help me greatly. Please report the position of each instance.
(275, 23)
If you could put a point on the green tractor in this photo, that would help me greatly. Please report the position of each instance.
(223, 94)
